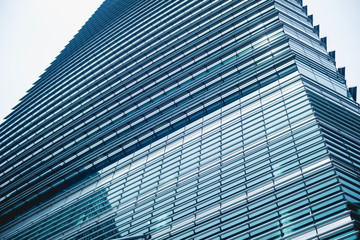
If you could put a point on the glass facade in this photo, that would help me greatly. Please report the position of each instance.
(185, 120)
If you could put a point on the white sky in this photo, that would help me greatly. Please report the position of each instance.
(33, 32)
(339, 21)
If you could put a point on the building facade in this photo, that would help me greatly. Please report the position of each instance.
(185, 120)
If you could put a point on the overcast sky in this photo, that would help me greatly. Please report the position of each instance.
(339, 21)
(33, 32)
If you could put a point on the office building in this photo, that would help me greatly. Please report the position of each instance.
(185, 120)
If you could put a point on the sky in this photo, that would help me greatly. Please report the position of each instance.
(33, 32)
(339, 21)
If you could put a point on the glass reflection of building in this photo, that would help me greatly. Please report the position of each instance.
(185, 120)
